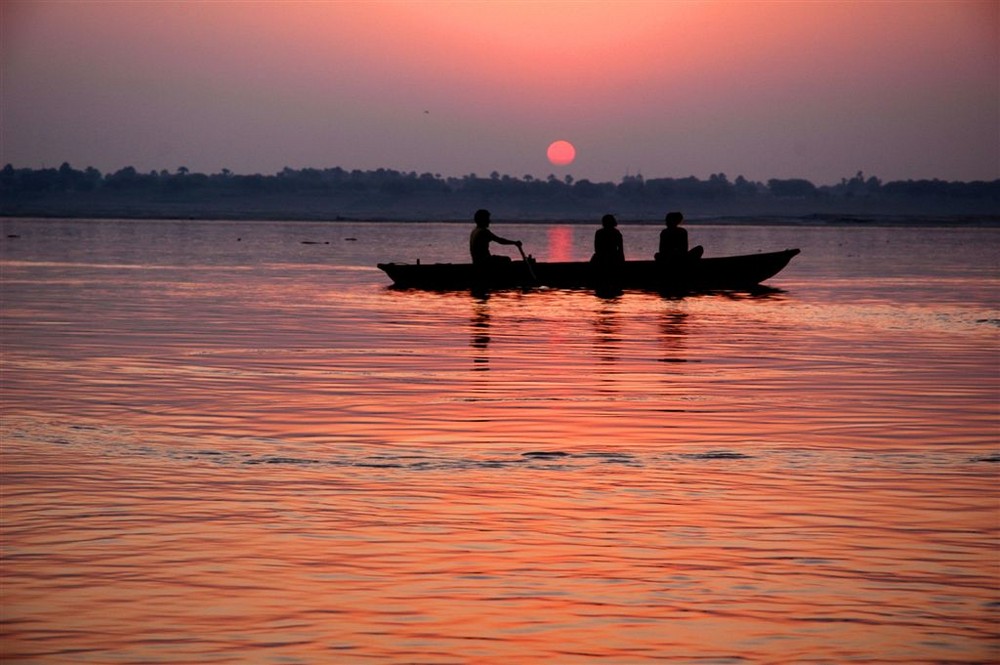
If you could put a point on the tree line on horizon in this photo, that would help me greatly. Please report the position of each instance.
(400, 184)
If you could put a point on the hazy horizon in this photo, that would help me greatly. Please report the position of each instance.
(817, 90)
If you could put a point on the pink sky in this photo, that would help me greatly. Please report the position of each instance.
(817, 90)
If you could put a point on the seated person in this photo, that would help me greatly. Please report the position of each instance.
(609, 247)
(674, 241)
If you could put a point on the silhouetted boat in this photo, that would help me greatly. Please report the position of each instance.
(705, 274)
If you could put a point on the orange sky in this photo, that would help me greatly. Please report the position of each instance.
(764, 89)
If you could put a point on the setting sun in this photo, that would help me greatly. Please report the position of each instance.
(561, 153)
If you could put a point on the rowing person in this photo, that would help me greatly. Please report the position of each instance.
(479, 242)
(674, 242)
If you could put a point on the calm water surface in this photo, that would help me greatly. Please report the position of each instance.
(231, 442)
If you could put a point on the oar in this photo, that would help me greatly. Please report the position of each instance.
(531, 271)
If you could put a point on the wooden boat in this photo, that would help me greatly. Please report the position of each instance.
(705, 274)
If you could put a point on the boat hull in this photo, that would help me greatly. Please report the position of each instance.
(705, 274)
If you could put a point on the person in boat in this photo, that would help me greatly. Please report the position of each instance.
(479, 242)
(609, 247)
(674, 241)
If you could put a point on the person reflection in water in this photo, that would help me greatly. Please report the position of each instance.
(480, 329)
(674, 242)
(609, 247)
(479, 242)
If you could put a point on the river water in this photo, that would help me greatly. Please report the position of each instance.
(231, 442)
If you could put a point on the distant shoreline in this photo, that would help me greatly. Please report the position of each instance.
(336, 194)
(811, 220)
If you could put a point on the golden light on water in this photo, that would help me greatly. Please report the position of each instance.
(560, 246)
(261, 451)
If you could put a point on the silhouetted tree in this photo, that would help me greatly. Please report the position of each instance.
(743, 187)
(791, 188)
